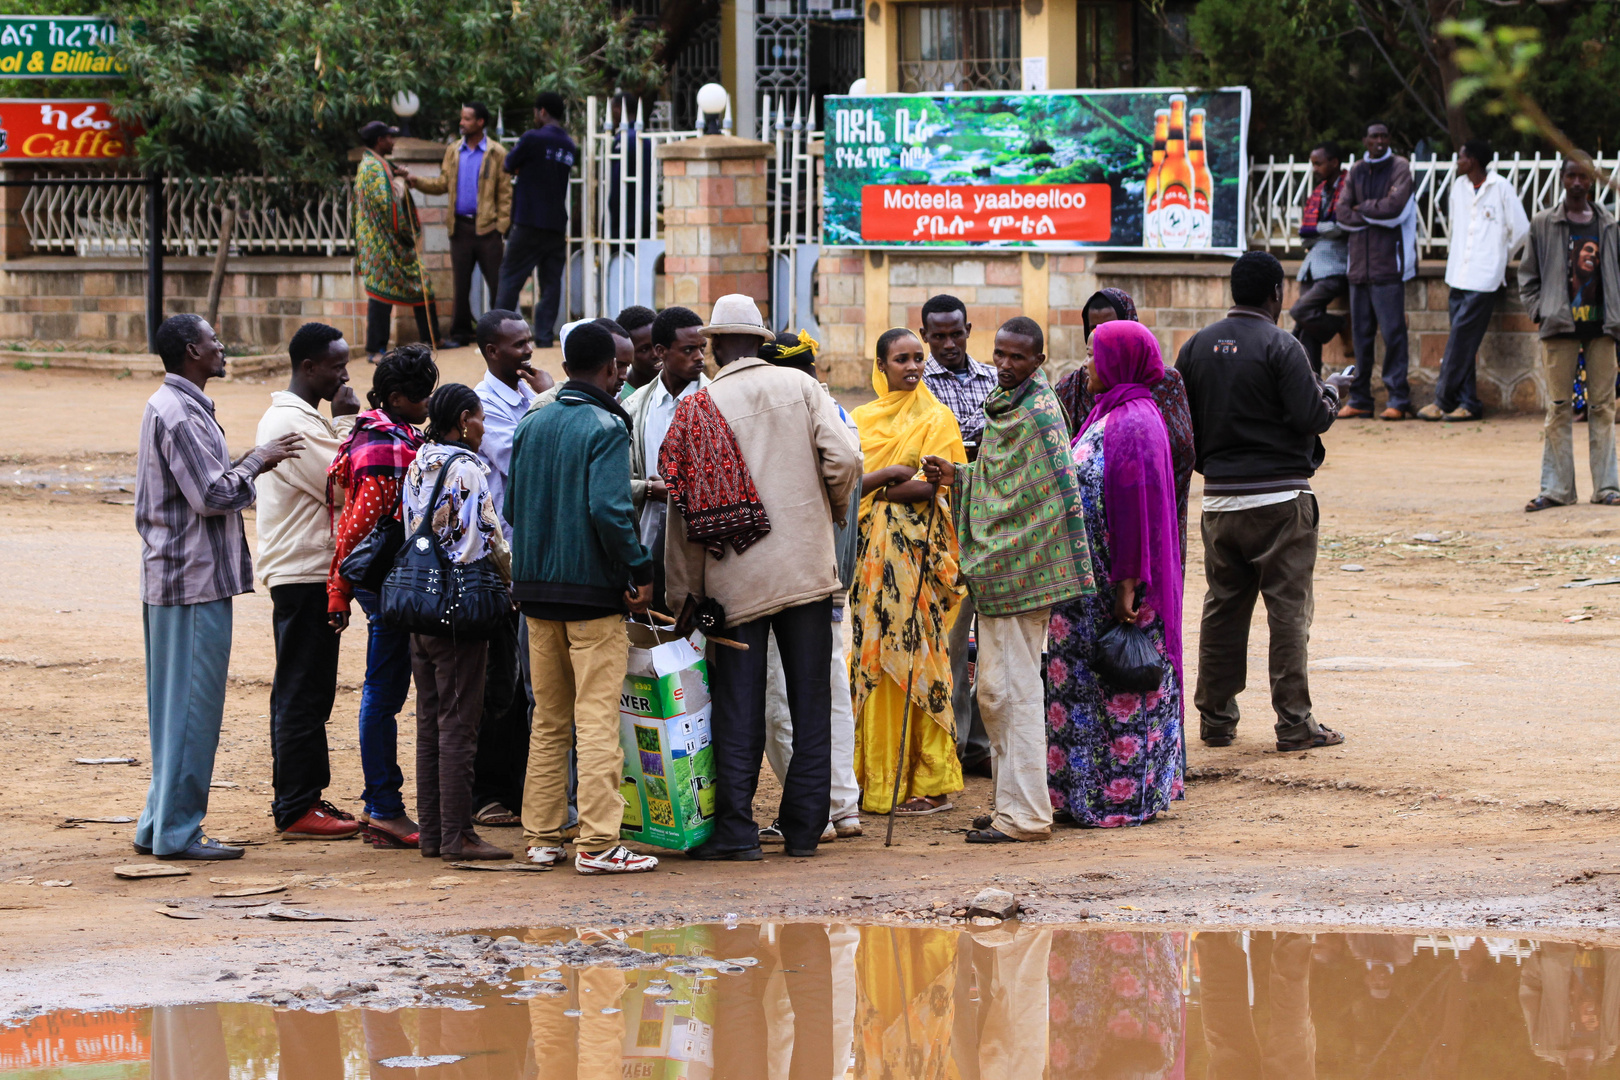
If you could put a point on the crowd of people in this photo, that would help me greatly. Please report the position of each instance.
(985, 535)
(1359, 227)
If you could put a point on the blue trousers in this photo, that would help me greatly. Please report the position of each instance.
(1376, 309)
(1457, 385)
(188, 652)
(388, 683)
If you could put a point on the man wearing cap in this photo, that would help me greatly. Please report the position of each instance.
(385, 232)
(758, 467)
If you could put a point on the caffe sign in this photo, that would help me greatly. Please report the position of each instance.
(57, 47)
(52, 130)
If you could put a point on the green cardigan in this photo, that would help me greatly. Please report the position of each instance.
(574, 536)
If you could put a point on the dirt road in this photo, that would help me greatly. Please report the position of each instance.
(1479, 786)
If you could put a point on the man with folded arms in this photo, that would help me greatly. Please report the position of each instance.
(758, 466)
(1023, 549)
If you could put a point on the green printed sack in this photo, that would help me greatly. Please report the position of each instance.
(668, 784)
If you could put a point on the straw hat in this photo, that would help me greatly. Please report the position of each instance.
(735, 313)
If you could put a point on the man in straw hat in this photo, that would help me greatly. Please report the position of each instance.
(758, 467)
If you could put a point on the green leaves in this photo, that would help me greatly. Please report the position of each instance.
(280, 87)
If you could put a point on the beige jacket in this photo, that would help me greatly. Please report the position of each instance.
(804, 465)
(494, 187)
(295, 529)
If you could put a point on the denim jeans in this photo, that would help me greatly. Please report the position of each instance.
(1558, 357)
(388, 681)
(1375, 309)
(1456, 385)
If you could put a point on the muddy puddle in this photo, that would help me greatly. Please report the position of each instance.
(810, 1001)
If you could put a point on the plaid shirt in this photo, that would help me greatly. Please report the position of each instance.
(189, 500)
(964, 397)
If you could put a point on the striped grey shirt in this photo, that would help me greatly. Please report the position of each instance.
(189, 500)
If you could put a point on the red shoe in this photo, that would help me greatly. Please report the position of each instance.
(323, 821)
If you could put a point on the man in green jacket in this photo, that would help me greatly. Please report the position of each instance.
(577, 566)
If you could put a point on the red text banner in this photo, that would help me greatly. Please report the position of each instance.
(36, 129)
(985, 212)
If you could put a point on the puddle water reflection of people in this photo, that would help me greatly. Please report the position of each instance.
(812, 1001)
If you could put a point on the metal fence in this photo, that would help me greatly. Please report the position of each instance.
(1278, 190)
(274, 216)
(793, 200)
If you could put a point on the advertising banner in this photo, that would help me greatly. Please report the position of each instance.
(1065, 170)
(56, 47)
(39, 129)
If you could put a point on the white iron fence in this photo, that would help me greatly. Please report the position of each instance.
(1278, 190)
(274, 216)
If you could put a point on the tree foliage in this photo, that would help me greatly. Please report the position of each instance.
(1325, 68)
(282, 86)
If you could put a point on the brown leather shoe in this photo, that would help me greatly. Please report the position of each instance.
(1350, 412)
(472, 846)
(1392, 414)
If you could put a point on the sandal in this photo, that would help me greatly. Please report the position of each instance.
(1540, 502)
(495, 816)
(989, 836)
(381, 837)
(1314, 741)
(921, 805)
(1608, 498)
(983, 821)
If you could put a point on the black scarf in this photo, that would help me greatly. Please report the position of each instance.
(602, 399)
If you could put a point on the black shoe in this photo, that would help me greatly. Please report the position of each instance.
(710, 853)
(206, 850)
(978, 768)
(800, 852)
(139, 850)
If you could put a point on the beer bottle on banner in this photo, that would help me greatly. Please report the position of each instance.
(1150, 190)
(1176, 181)
(1203, 201)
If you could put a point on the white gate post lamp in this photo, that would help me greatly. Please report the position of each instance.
(712, 101)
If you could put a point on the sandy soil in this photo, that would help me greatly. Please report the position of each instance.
(1478, 787)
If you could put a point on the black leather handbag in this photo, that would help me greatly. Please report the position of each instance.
(1126, 659)
(369, 561)
(426, 593)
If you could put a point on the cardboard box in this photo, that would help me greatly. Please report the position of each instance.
(668, 783)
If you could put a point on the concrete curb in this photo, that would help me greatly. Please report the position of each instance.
(95, 363)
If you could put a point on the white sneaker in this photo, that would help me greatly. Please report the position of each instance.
(829, 833)
(847, 826)
(546, 856)
(615, 860)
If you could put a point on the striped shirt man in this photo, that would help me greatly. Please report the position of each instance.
(189, 499)
(962, 392)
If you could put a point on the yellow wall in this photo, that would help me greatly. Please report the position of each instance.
(1049, 32)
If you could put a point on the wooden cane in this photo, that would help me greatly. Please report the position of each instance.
(727, 642)
(911, 672)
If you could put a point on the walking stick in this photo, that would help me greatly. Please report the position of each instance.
(911, 672)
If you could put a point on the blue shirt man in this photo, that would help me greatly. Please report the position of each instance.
(544, 163)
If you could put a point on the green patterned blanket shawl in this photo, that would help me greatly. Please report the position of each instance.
(1018, 513)
(385, 228)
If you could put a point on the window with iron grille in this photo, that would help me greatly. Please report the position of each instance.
(958, 46)
(1105, 44)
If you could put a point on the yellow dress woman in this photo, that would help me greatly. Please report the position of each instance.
(906, 532)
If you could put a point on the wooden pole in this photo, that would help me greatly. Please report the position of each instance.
(216, 280)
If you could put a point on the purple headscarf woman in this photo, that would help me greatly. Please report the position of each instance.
(1115, 757)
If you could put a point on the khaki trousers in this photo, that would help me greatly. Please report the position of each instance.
(1012, 702)
(578, 672)
(1558, 357)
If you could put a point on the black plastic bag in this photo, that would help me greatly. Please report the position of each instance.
(1126, 659)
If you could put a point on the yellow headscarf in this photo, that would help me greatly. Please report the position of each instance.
(900, 427)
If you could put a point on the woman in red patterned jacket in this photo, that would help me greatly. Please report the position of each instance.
(370, 467)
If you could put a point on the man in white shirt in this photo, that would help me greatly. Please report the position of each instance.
(507, 391)
(1487, 223)
(678, 344)
(295, 554)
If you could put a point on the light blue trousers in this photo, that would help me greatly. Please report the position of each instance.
(188, 652)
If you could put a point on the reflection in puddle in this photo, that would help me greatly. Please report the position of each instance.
(808, 1001)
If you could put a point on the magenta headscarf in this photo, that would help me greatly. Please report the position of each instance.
(1139, 485)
